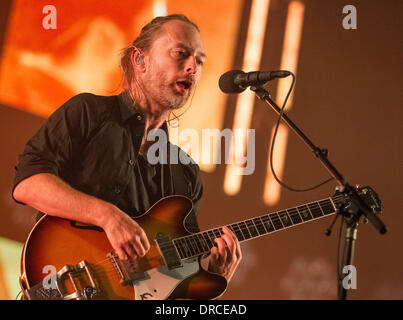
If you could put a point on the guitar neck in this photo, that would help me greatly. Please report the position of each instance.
(201, 243)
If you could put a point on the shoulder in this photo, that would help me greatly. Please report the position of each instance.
(85, 108)
(90, 103)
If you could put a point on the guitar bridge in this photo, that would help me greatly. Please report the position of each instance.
(129, 270)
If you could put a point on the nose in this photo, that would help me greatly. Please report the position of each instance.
(191, 65)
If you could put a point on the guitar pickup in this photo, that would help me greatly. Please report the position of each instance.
(168, 251)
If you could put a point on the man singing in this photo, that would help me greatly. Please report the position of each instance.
(88, 162)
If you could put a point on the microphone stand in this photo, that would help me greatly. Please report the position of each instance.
(353, 212)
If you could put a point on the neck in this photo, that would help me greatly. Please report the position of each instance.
(197, 244)
(155, 113)
(155, 116)
(155, 119)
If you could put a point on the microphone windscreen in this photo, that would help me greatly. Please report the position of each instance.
(227, 82)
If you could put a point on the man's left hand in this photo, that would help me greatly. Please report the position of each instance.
(224, 258)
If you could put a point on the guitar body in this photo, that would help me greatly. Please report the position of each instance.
(55, 242)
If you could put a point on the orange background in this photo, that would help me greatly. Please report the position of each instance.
(346, 99)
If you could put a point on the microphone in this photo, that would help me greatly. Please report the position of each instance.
(236, 81)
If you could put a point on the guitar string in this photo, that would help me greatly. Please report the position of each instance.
(275, 215)
(194, 238)
(110, 264)
(108, 267)
(198, 240)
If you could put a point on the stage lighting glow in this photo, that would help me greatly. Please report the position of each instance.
(244, 105)
(289, 61)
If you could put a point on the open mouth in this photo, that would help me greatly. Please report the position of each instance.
(184, 85)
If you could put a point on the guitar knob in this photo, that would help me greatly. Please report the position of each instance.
(89, 292)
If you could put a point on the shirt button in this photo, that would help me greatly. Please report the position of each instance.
(131, 162)
(139, 117)
(117, 190)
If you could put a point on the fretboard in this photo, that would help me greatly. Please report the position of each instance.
(201, 243)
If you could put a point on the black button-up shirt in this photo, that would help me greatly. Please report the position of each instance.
(92, 143)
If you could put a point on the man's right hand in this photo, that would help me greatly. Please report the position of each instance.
(48, 193)
(126, 236)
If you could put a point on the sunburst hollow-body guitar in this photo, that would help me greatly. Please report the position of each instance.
(66, 260)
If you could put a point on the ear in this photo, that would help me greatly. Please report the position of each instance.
(137, 59)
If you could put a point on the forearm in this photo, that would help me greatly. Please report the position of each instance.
(49, 194)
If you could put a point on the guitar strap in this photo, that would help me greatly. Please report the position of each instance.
(180, 187)
(177, 177)
(179, 181)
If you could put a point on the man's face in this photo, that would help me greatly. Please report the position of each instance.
(174, 64)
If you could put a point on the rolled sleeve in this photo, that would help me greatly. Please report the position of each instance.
(51, 149)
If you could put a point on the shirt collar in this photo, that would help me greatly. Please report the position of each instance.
(129, 110)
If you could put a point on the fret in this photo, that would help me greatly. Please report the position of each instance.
(334, 205)
(190, 245)
(230, 227)
(252, 228)
(207, 240)
(327, 206)
(187, 250)
(285, 219)
(178, 245)
(243, 228)
(233, 231)
(275, 219)
(315, 209)
(212, 237)
(195, 244)
(305, 212)
(294, 215)
(267, 224)
(299, 214)
(238, 232)
(217, 233)
(202, 242)
(259, 226)
(203, 245)
(320, 207)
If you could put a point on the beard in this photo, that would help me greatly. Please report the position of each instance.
(162, 90)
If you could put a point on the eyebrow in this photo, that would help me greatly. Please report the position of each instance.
(201, 53)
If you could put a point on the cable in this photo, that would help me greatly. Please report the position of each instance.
(176, 117)
(19, 293)
(272, 148)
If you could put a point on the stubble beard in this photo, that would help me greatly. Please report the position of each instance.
(163, 91)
